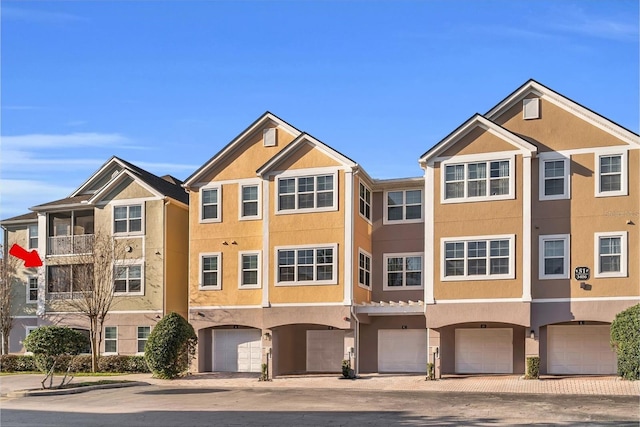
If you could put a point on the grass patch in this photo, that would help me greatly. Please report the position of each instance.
(6, 374)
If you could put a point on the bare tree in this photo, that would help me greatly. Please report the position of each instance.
(8, 275)
(92, 286)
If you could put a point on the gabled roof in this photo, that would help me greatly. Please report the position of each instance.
(21, 219)
(474, 122)
(67, 202)
(568, 105)
(295, 145)
(236, 142)
(159, 185)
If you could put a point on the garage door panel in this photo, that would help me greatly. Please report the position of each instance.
(484, 351)
(237, 350)
(402, 350)
(580, 349)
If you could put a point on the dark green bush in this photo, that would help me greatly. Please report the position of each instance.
(170, 347)
(533, 368)
(625, 338)
(17, 363)
(49, 343)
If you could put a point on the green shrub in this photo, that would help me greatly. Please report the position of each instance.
(17, 363)
(50, 343)
(625, 338)
(431, 371)
(533, 368)
(170, 347)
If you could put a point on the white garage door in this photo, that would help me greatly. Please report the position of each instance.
(580, 349)
(402, 350)
(325, 350)
(484, 351)
(237, 350)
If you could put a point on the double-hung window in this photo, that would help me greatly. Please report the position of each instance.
(402, 271)
(611, 254)
(554, 178)
(210, 206)
(210, 271)
(554, 256)
(478, 258)
(612, 175)
(143, 336)
(250, 203)
(33, 237)
(364, 269)
(128, 279)
(127, 219)
(249, 270)
(403, 206)
(32, 291)
(484, 180)
(365, 202)
(110, 339)
(307, 193)
(307, 265)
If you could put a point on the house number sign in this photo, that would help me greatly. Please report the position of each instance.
(582, 273)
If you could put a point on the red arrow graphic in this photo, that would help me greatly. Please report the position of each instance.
(31, 259)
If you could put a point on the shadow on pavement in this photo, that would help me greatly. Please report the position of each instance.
(189, 390)
(13, 417)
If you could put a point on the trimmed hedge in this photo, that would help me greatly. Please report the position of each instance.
(49, 344)
(625, 338)
(82, 363)
(170, 347)
(533, 368)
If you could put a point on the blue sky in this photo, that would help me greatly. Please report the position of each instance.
(165, 85)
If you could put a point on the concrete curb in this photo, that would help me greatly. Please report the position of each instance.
(75, 390)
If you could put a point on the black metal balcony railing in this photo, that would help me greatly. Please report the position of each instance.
(70, 245)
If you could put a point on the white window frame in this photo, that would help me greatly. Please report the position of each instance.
(473, 159)
(404, 256)
(29, 289)
(385, 217)
(110, 339)
(466, 277)
(367, 255)
(566, 239)
(30, 236)
(566, 194)
(201, 285)
(624, 174)
(138, 338)
(306, 174)
(363, 202)
(128, 264)
(241, 285)
(241, 186)
(27, 331)
(218, 218)
(624, 254)
(128, 204)
(334, 273)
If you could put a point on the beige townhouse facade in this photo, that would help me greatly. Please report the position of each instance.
(533, 236)
(147, 214)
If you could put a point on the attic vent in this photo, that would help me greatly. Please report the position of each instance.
(269, 137)
(113, 175)
(531, 108)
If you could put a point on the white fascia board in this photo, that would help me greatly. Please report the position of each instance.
(118, 179)
(105, 166)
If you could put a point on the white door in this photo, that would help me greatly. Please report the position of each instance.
(325, 350)
(237, 350)
(580, 349)
(402, 350)
(484, 351)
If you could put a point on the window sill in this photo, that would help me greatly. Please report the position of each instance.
(403, 288)
(309, 283)
(249, 287)
(304, 211)
(402, 221)
(210, 288)
(476, 278)
(477, 199)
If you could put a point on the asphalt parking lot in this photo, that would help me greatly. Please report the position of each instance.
(208, 400)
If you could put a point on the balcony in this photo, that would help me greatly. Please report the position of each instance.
(70, 245)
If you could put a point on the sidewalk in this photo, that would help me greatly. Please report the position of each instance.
(605, 385)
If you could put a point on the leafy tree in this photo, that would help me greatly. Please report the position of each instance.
(625, 338)
(170, 347)
(50, 343)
